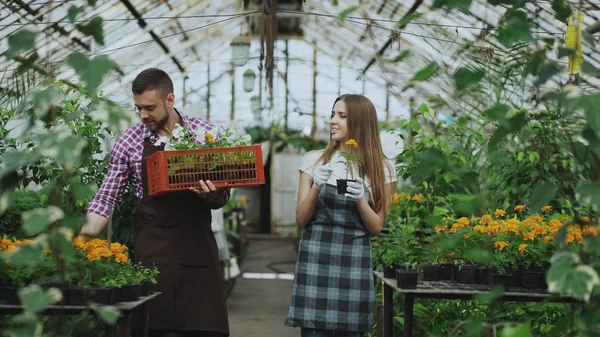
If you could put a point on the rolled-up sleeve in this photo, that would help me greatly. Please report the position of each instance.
(110, 193)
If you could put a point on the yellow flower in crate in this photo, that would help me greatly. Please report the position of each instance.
(522, 248)
(499, 213)
(485, 219)
(519, 208)
(546, 208)
(500, 244)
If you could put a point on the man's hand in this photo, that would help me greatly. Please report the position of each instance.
(321, 175)
(206, 187)
(355, 189)
(95, 224)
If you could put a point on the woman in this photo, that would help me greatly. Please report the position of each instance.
(333, 293)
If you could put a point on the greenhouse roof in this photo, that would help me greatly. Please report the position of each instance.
(191, 41)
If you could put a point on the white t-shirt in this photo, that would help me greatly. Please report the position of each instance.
(338, 163)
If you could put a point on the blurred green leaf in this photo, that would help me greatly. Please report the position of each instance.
(590, 69)
(523, 330)
(14, 160)
(91, 71)
(467, 208)
(516, 27)
(73, 12)
(35, 300)
(43, 100)
(495, 294)
(589, 193)
(342, 16)
(35, 221)
(408, 19)
(547, 70)
(562, 52)
(466, 78)
(480, 256)
(22, 40)
(28, 254)
(425, 73)
(515, 3)
(403, 54)
(94, 29)
(575, 282)
(433, 221)
(562, 9)
(428, 162)
(534, 62)
(542, 195)
(108, 314)
(498, 113)
(449, 5)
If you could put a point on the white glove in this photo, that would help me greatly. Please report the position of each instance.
(355, 189)
(321, 175)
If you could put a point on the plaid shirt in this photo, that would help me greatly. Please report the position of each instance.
(125, 164)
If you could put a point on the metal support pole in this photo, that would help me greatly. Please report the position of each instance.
(232, 116)
(388, 311)
(208, 91)
(387, 105)
(409, 302)
(314, 112)
(287, 63)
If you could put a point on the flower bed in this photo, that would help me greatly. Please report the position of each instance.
(491, 249)
(94, 272)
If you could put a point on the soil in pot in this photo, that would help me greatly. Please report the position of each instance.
(484, 275)
(431, 272)
(531, 279)
(8, 295)
(467, 275)
(342, 185)
(446, 272)
(130, 292)
(407, 279)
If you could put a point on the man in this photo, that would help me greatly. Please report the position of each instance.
(173, 230)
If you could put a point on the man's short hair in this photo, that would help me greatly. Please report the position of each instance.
(152, 79)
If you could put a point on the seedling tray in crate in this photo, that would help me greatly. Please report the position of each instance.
(178, 170)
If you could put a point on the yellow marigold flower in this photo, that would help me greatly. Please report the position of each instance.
(417, 197)
(547, 238)
(352, 142)
(27, 242)
(208, 136)
(121, 258)
(440, 228)
(11, 248)
(104, 252)
(93, 255)
(589, 230)
(500, 244)
(546, 208)
(80, 243)
(47, 251)
(4, 243)
(499, 213)
(585, 218)
(464, 221)
(522, 248)
(479, 228)
(485, 218)
(18, 242)
(519, 208)
(116, 248)
(447, 219)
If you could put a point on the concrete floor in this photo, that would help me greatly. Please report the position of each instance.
(257, 307)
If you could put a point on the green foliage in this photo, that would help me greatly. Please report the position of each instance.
(10, 221)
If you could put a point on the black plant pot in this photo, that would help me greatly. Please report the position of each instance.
(342, 185)
(531, 279)
(501, 280)
(543, 283)
(8, 295)
(145, 290)
(446, 272)
(389, 271)
(431, 272)
(77, 296)
(484, 275)
(102, 295)
(407, 279)
(130, 292)
(467, 275)
(513, 277)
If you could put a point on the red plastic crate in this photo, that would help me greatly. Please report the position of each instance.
(178, 170)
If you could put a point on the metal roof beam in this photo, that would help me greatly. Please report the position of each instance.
(156, 38)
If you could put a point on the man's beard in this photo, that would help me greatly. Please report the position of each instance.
(161, 123)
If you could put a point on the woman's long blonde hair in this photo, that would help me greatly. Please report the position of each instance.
(364, 129)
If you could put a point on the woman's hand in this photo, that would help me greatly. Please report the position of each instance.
(205, 188)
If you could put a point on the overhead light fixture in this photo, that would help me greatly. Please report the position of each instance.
(249, 77)
(240, 50)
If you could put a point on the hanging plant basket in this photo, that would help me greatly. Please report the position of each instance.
(178, 170)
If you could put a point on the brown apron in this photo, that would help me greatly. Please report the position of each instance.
(173, 232)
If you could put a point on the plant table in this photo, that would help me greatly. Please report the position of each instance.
(449, 290)
(126, 309)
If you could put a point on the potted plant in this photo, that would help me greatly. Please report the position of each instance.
(350, 157)
(407, 275)
(533, 256)
(389, 260)
(500, 262)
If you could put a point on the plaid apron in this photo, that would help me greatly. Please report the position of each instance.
(333, 285)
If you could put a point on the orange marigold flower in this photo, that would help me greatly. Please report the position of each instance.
(585, 218)
(522, 248)
(529, 236)
(116, 248)
(80, 243)
(546, 208)
(547, 238)
(499, 213)
(104, 252)
(485, 218)
(479, 228)
(352, 142)
(93, 255)
(440, 228)
(589, 230)
(10, 248)
(417, 197)
(121, 258)
(519, 208)
(47, 251)
(500, 244)
(447, 219)
(464, 221)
